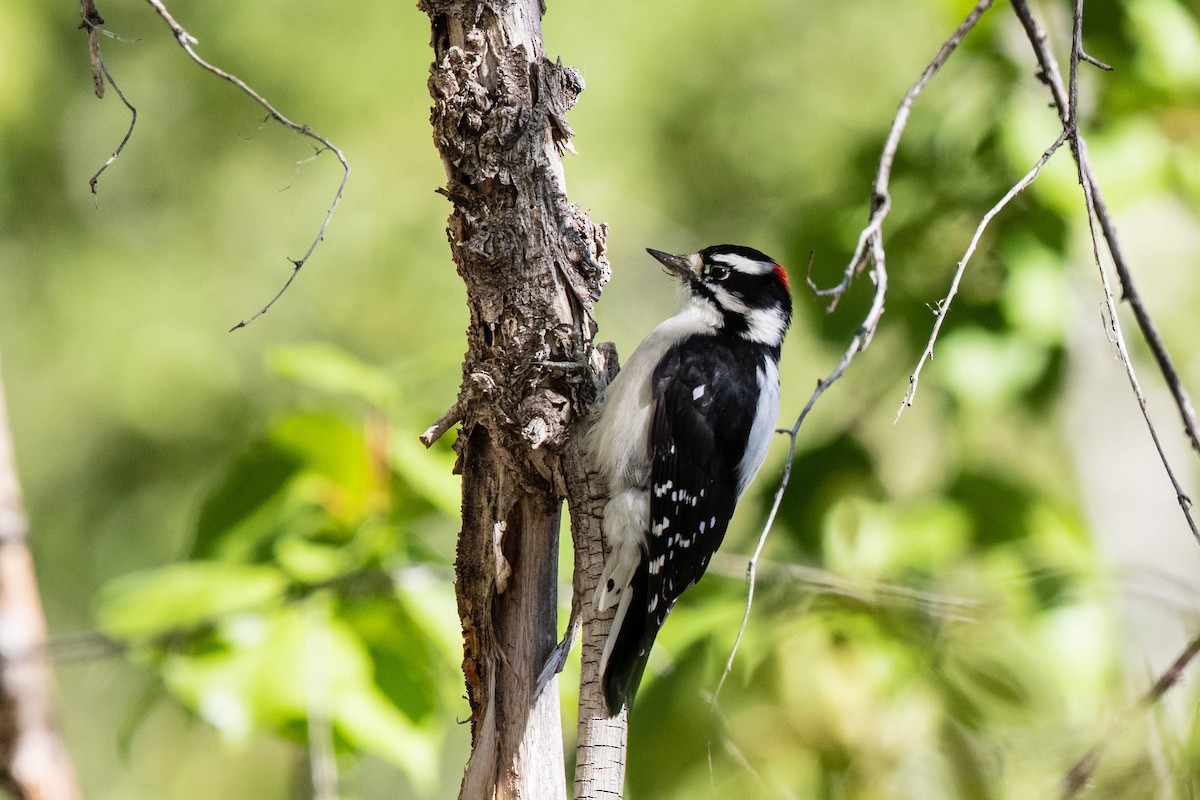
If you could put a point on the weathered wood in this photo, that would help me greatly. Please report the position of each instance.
(533, 265)
(600, 749)
(34, 764)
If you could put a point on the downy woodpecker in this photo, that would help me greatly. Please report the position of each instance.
(680, 433)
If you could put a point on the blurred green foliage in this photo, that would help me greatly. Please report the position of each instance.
(939, 614)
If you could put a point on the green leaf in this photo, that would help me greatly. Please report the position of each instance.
(325, 445)
(411, 668)
(181, 596)
(428, 472)
(231, 511)
(293, 664)
(333, 370)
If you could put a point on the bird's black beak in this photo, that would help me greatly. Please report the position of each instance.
(685, 267)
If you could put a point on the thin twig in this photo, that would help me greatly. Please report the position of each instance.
(1086, 180)
(943, 307)
(1052, 77)
(881, 199)
(1066, 101)
(869, 248)
(1080, 774)
(444, 423)
(132, 121)
(187, 42)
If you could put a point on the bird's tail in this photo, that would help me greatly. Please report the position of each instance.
(628, 645)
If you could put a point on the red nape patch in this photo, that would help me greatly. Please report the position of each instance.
(782, 273)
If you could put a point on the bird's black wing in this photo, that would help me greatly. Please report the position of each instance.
(703, 410)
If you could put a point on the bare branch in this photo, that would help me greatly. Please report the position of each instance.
(132, 121)
(444, 423)
(1080, 774)
(881, 199)
(1095, 62)
(943, 307)
(1087, 181)
(1066, 101)
(187, 42)
(1052, 77)
(869, 248)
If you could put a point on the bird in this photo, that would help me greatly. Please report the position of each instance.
(677, 436)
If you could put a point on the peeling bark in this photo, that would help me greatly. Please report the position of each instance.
(533, 265)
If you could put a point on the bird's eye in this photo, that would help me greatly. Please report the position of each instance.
(717, 273)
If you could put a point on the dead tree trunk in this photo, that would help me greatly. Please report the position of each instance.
(34, 764)
(533, 265)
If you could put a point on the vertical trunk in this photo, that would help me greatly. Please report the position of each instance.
(533, 264)
(600, 755)
(34, 764)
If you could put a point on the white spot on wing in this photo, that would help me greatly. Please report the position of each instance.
(698, 392)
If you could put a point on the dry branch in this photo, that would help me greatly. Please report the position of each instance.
(868, 249)
(533, 265)
(188, 42)
(1080, 774)
(91, 22)
(128, 133)
(943, 306)
(1052, 77)
(1087, 180)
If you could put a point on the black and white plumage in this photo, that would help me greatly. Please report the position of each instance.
(681, 432)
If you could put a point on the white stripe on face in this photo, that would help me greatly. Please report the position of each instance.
(748, 266)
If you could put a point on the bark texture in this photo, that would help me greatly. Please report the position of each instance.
(533, 265)
(34, 764)
(600, 752)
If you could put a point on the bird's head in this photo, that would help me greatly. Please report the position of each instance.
(745, 289)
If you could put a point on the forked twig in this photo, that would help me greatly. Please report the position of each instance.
(881, 199)
(132, 121)
(1052, 77)
(187, 42)
(869, 248)
(943, 307)
(1087, 181)
(1066, 101)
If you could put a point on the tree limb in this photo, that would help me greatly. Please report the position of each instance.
(533, 265)
(1052, 77)
(188, 42)
(868, 249)
(943, 307)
